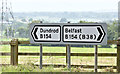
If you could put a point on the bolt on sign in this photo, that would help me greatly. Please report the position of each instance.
(69, 33)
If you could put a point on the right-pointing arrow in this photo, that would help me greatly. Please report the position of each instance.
(99, 37)
(35, 33)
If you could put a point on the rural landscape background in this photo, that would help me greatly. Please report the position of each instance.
(19, 28)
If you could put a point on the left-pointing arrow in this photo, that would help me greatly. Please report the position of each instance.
(35, 33)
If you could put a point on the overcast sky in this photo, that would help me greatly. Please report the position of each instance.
(64, 5)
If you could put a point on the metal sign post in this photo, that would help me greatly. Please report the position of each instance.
(68, 57)
(40, 56)
(96, 57)
(40, 53)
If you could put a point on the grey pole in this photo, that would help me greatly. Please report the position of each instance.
(68, 57)
(40, 53)
(40, 56)
(96, 57)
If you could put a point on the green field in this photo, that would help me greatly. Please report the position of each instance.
(28, 62)
(9, 39)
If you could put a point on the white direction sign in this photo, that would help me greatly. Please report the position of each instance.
(41, 33)
(69, 33)
(83, 33)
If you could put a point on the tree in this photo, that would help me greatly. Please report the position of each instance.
(35, 21)
(9, 32)
(112, 31)
(85, 22)
(23, 32)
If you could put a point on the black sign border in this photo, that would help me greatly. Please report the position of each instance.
(46, 26)
(81, 41)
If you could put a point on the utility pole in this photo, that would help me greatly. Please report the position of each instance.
(6, 13)
(2, 20)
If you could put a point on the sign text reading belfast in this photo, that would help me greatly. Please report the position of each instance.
(83, 33)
